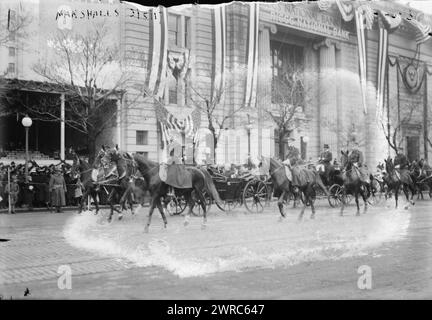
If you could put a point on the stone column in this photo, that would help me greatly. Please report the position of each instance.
(264, 77)
(119, 121)
(328, 127)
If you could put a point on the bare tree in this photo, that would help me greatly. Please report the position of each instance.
(217, 118)
(289, 98)
(87, 67)
(392, 128)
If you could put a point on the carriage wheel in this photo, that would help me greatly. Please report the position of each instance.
(176, 206)
(255, 195)
(335, 196)
(197, 209)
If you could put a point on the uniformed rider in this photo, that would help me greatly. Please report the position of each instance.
(325, 160)
(356, 158)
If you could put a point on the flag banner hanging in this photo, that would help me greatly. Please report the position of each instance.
(387, 24)
(381, 72)
(158, 49)
(324, 5)
(220, 50)
(364, 19)
(252, 55)
(423, 31)
(346, 10)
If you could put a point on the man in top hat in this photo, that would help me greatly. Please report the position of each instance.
(57, 187)
(325, 160)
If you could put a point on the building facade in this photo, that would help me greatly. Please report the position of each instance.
(232, 57)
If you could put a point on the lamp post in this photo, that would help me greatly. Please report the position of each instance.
(248, 127)
(26, 122)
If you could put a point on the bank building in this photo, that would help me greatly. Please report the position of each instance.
(260, 76)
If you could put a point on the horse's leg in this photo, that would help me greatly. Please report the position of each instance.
(405, 191)
(312, 202)
(280, 204)
(95, 198)
(365, 200)
(203, 206)
(162, 212)
(84, 196)
(152, 206)
(188, 198)
(413, 191)
(396, 190)
(306, 200)
(356, 194)
(343, 201)
(111, 203)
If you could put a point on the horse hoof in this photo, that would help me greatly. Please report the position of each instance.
(406, 207)
(120, 217)
(281, 219)
(146, 229)
(96, 213)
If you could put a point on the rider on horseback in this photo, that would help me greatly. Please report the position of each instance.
(400, 161)
(356, 158)
(324, 161)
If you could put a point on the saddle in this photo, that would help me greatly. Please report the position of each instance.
(176, 176)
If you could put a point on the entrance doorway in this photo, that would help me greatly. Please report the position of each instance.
(413, 148)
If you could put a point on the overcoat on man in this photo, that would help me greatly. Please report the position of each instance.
(57, 187)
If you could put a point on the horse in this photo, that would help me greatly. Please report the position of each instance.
(83, 170)
(201, 180)
(306, 179)
(352, 183)
(395, 180)
(125, 169)
(421, 174)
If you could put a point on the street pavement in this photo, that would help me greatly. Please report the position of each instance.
(238, 256)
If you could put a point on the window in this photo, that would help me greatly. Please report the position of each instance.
(174, 29)
(11, 52)
(287, 71)
(172, 91)
(187, 33)
(141, 137)
(11, 68)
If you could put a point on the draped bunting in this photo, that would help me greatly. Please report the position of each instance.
(423, 31)
(252, 55)
(158, 49)
(168, 121)
(386, 25)
(219, 49)
(346, 10)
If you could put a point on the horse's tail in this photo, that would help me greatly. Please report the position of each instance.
(210, 186)
(319, 182)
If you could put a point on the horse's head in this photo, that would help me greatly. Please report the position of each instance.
(344, 158)
(389, 166)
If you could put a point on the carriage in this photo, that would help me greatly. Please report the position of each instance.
(251, 191)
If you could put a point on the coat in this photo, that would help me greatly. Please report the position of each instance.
(326, 157)
(57, 187)
(13, 190)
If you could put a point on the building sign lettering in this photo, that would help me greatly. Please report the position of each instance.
(308, 20)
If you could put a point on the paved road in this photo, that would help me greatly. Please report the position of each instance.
(41, 242)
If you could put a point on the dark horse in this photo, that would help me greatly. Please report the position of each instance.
(83, 170)
(353, 183)
(305, 179)
(119, 185)
(201, 180)
(421, 175)
(395, 180)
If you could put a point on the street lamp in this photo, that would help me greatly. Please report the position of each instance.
(26, 122)
(248, 127)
